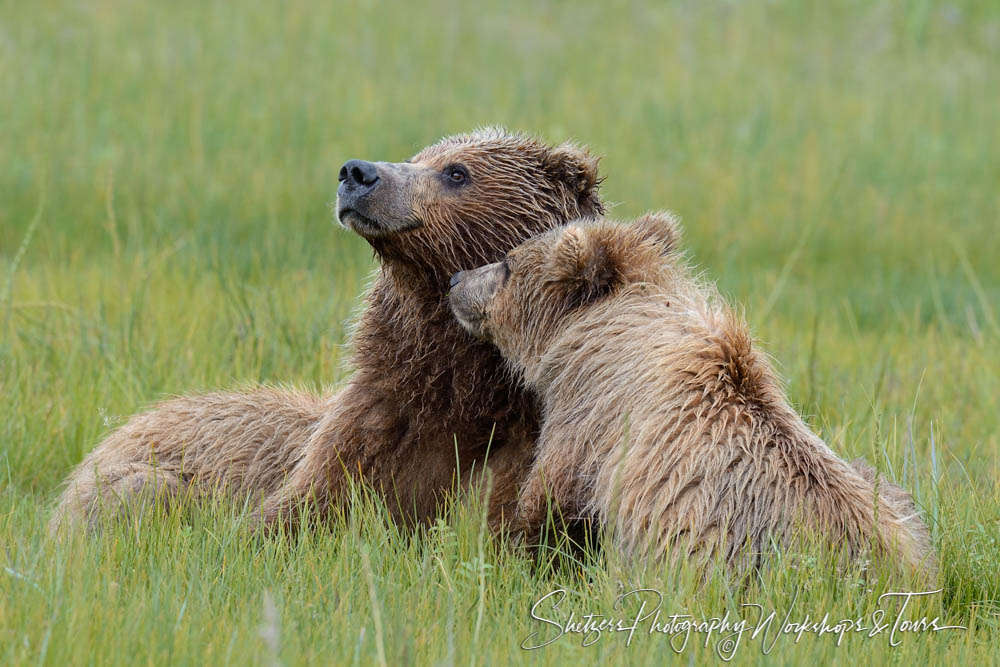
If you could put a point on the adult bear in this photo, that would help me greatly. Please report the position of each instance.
(426, 401)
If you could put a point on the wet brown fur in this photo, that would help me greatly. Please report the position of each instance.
(661, 419)
(421, 388)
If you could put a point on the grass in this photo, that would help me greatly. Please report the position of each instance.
(165, 175)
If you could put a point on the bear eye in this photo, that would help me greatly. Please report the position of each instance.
(456, 174)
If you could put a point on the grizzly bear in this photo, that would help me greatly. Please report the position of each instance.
(660, 419)
(426, 402)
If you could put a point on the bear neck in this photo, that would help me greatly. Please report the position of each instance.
(409, 346)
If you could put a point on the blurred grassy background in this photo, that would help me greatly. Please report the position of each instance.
(166, 171)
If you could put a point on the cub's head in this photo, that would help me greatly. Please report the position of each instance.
(523, 301)
(466, 200)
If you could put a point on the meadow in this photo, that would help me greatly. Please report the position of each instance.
(166, 175)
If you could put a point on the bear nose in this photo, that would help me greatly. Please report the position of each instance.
(358, 173)
(455, 279)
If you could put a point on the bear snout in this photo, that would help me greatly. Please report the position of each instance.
(358, 179)
(358, 173)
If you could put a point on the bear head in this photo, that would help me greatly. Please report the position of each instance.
(466, 200)
(524, 301)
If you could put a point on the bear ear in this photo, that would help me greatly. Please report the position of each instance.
(661, 228)
(580, 259)
(574, 166)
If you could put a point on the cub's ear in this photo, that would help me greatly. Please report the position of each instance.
(574, 166)
(582, 260)
(662, 228)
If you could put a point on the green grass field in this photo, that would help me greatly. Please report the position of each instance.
(166, 171)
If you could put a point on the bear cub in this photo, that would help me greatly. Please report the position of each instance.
(660, 419)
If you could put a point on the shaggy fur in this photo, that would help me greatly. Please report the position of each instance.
(422, 387)
(659, 415)
(239, 443)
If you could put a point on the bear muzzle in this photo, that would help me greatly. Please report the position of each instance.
(471, 293)
(374, 199)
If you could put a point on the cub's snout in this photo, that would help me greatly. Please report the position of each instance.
(470, 296)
